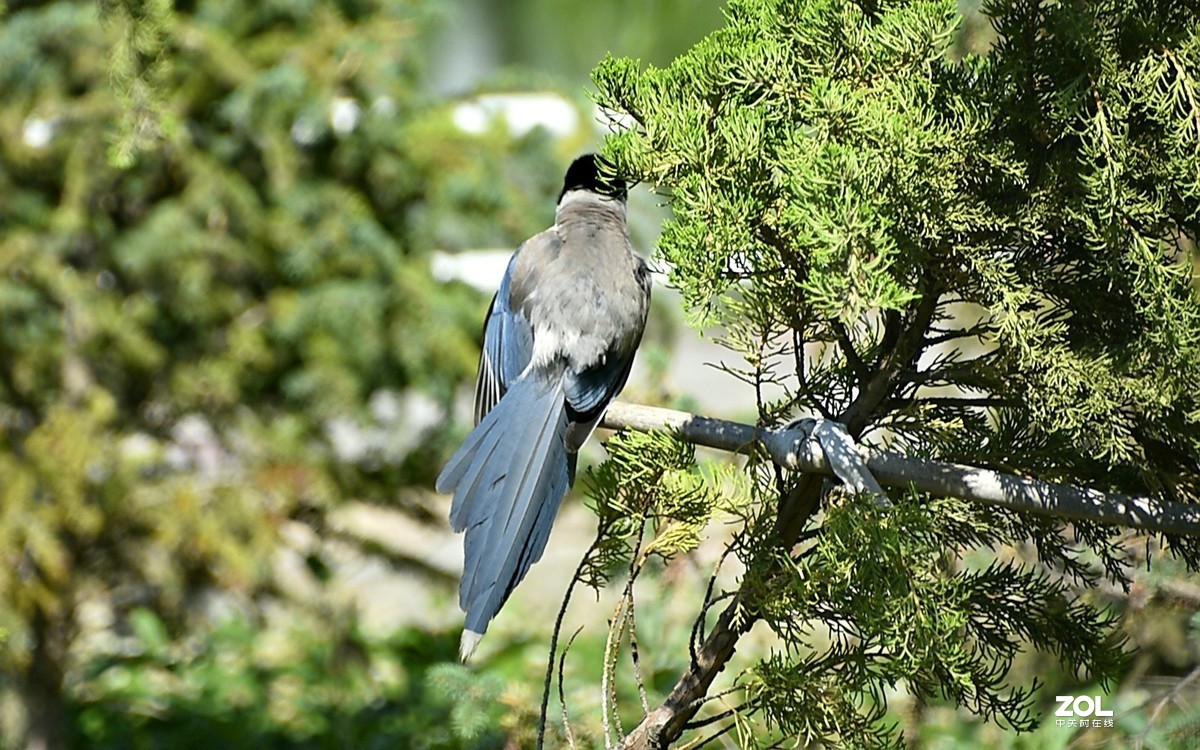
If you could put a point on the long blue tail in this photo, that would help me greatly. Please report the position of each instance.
(508, 477)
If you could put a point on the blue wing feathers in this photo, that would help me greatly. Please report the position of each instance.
(538, 479)
(507, 348)
(453, 471)
(591, 390)
(523, 501)
(463, 510)
(508, 480)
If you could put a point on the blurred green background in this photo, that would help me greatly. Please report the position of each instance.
(228, 372)
(243, 255)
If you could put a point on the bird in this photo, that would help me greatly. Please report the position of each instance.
(558, 343)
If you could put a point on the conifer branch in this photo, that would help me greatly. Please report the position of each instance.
(1186, 83)
(1077, 314)
(791, 450)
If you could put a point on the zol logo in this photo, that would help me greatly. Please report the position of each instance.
(1081, 711)
(1081, 705)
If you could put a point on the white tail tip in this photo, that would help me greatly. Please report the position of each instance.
(466, 647)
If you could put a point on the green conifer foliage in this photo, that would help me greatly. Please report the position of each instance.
(986, 260)
(215, 223)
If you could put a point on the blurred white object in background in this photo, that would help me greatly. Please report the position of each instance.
(344, 114)
(522, 112)
(39, 131)
(481, 269)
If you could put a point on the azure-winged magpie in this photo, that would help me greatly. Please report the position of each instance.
(558, 344)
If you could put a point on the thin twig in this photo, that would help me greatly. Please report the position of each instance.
(606, 680)
(715, 735)
(805, 389)
(700, 623)
(612, 645)
(562, 611)
(1170, 695)
(726, 714)
(562, 698)
(716, 696)
(636, 657)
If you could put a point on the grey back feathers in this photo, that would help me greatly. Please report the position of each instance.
(559, 342)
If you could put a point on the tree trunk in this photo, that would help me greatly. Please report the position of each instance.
(42, 687)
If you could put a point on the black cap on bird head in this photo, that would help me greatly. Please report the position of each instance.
(595, 174)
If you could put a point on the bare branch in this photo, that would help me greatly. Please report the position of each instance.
(963, 374)
(860, 369)
(960, 333)
(791, 450)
